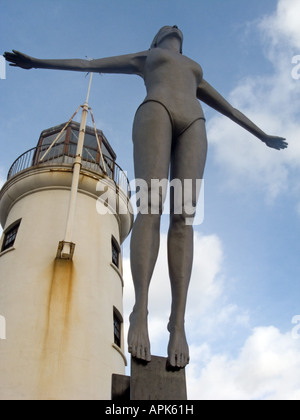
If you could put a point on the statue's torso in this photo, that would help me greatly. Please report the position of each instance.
(173, 79)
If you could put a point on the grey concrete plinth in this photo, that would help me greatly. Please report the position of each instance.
(120, 390)
(156, 381)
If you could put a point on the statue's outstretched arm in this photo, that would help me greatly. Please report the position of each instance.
(125, 64)
(211, 97)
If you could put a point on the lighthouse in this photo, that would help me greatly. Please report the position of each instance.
(61, 283)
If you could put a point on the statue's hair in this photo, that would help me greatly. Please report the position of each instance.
(154, 42)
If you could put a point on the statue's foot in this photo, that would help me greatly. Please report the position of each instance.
(178, 349)
(138, 338)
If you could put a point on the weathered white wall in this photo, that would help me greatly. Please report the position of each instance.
(59, 314)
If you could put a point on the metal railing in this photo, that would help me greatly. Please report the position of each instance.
(62, 154)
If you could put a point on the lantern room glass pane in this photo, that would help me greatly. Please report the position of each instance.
(57, 149)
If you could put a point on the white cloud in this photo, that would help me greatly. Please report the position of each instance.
(268, 102)
(205, 287)
(268, 363)
(206, 282)
(208, 311)
(272, 101)
(267, 367)
(284, 23)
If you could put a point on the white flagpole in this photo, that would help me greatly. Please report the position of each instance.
(68, 246)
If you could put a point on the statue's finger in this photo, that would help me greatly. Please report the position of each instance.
(8, 56)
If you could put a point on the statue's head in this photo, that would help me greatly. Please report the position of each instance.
(165, 31)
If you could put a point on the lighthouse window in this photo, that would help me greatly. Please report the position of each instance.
(56, 150)
(117, 327)
(10, 236)
(115, 252)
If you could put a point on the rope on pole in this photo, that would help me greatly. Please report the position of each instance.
(59, 134)
(98, 141)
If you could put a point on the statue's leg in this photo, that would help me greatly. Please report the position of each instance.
(152, 138)
(188, 162)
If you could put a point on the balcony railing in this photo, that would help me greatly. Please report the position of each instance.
(60, 155)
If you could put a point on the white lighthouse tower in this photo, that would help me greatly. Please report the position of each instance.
(61, 282)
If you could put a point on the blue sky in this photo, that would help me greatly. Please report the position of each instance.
(245, 286)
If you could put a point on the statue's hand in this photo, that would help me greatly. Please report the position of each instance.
(18, 59)
(275, 142)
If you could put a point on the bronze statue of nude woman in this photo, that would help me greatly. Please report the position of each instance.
(169, 136)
